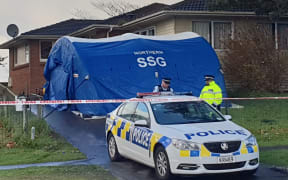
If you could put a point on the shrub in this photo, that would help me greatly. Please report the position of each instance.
(252, 59)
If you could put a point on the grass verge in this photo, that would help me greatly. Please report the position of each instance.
(268, 121)
(46, 147)
(275, 158)
(21, 155)
(61, 173)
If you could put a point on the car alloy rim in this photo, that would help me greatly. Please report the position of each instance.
(161, 164)
(112, 147)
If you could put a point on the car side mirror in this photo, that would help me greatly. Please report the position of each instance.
(228, 117)
(141, 123)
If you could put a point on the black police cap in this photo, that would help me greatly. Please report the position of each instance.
(209, 77)
(167, 80)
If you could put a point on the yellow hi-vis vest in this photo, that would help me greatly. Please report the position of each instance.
(212, 91)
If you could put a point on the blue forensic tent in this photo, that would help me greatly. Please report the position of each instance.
(120, 66)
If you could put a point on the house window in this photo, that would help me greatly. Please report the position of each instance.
(282, 32)
(147, 32)
(216, 33)
(267, 28)
(151, 32)
(279, 33)
(45, 47)
(203, 29)
(21, 55)
(27, 53)
(222, 33)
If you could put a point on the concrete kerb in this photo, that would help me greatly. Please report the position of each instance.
(276, 168)
(283, 170)
(62, 163)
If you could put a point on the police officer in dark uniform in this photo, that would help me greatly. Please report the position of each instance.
(164, 87)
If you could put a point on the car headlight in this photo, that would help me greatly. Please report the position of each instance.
(185, 145)
(251, 141)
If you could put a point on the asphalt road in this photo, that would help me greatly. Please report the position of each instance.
(89, 137)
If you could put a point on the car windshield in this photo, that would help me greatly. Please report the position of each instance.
(185, 112)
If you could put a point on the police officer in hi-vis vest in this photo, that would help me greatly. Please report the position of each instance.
(211, 92)
(164, 87)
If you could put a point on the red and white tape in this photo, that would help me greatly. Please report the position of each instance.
(99, 101)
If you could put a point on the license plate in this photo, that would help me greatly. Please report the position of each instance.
(226, 159)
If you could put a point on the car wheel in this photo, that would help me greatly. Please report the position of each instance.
(162, 166)
(112, 149)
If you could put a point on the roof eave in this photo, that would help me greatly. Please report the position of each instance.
(7, 44)
(192, 13)
(92, 27)
(14, 41)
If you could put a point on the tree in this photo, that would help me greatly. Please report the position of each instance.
(109, 7)
(252, 60)
(82, 14)
(273, 8)
(114, 7)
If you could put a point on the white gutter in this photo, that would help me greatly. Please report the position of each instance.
(13, 41)
(109, 31)
(191, 13)
(91, 27)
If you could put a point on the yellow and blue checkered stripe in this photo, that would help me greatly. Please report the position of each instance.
(157, 138)
(206, 153)
(121, 128)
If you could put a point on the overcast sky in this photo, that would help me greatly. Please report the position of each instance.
(32, 14)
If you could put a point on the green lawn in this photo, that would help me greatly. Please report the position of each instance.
(276, 158)
(28, 156)
(57, 173)
(266, 119)
(46, 147)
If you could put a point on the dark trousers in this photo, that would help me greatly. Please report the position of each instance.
(218, 107)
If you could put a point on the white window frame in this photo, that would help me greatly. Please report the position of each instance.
(41, 59)
(26, 55)
(147, 31)
(276, 34)
(212, 27)
(212, 35)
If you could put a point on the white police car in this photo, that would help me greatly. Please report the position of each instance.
(179, 135)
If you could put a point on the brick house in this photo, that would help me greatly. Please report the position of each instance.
(29, 51)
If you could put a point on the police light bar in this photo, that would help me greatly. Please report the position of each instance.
(140, 95)
(189, 93)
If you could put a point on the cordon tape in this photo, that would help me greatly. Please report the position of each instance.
(99, 101)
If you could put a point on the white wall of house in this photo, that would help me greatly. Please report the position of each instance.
(183, 24)
(165, 27)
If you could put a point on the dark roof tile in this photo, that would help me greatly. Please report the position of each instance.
(64, 27)
(73, 25)
(211, 5)
(136, 14)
